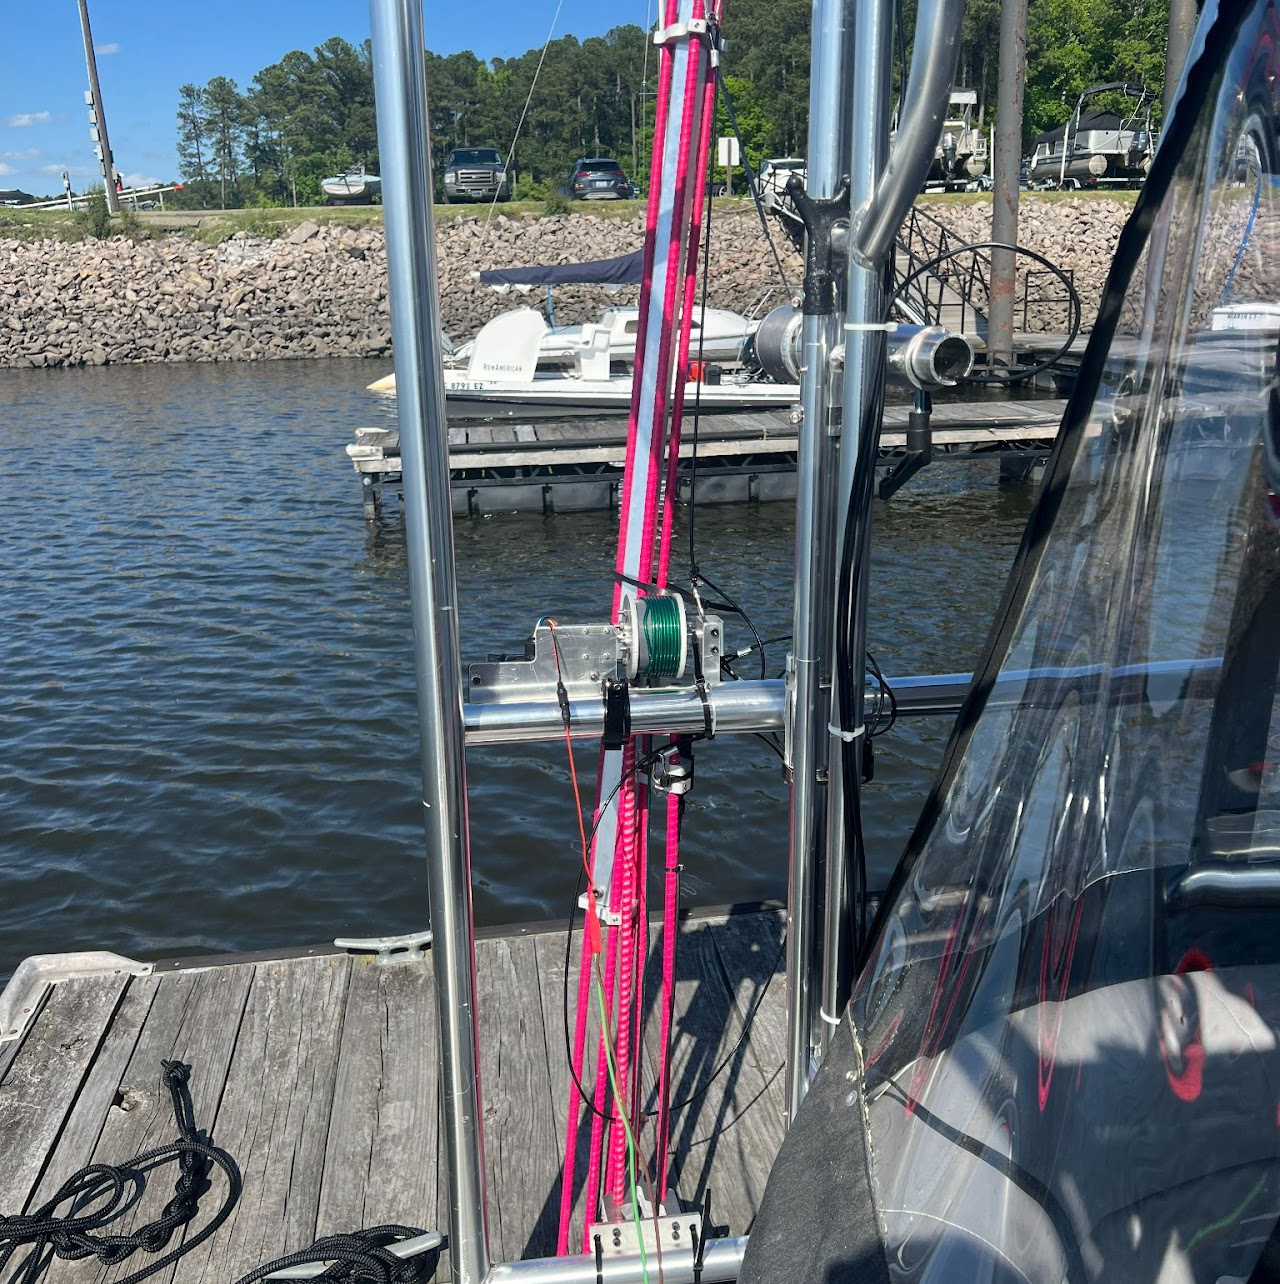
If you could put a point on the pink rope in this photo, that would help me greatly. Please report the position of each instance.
(666, 71)
(686, 325)
(671, 890)
(625, 880)
(575, 1111)
(601, 1096)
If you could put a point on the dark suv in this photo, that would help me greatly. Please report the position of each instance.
(599, 178)
(475, 174)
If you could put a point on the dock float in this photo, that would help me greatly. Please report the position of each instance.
(317, 1072)
(577, 465)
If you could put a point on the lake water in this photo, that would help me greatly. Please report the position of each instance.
(207, 717)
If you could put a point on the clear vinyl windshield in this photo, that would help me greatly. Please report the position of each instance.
(1067, 1029)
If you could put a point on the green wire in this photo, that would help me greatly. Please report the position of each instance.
(662, 635)
(626, 1123)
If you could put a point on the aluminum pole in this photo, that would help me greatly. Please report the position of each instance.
(405, 147)
(863, 386)
(810, 692)
(1006, 164)
(91, 62)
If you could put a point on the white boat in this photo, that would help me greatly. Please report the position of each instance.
(1112, 146)
(504, 368)
(352, 188)
(717, 335)
(961, 154)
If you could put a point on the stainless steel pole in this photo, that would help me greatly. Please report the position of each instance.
(811, 630)
(1006, 164)
(405, 149)
(91, 62)
(863, 386)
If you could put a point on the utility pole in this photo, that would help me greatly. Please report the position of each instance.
(97, 116)
(1006, 162)
(1182, 26)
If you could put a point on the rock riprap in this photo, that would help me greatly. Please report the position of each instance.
(321, 291)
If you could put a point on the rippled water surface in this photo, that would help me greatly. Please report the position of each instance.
(207, 722)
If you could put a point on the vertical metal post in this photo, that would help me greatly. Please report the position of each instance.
(405, 149)
(1006, 164)
(1182, 29)
(91, 62)
(863, 384)
(811, 631)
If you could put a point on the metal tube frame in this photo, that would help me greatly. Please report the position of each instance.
(810, 661)
(405, 147)
(863, 388)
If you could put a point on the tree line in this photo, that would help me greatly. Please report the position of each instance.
(310, 116)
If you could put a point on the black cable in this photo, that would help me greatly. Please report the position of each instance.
(1073, 301)
(752, 185)
(886, 693)
(728, 604)
(853, 543)
(73, 1239)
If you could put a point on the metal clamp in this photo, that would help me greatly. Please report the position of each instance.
(678, 31)
(409, 948)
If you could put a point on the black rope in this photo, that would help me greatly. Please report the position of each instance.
(359, 1258)
(751, 179)
(100, 1190)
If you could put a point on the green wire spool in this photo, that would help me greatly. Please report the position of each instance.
(658, 636)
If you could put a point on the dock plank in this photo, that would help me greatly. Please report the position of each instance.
(80, 1136)
(46, 1076)
(195, 1018)
(380, 1153)
(523, 1150)
(273, 1116)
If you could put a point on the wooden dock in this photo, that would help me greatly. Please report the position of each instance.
(319, 1075)
(578, 464)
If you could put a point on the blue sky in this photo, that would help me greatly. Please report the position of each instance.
(146, 49)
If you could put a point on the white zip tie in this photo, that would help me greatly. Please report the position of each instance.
(847, 736)
(830, 1020)
(886, 327)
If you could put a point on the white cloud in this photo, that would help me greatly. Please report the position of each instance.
(76, 171)
(103, 50)
(26, 156)
(140, 180)
(25, 118)
(7, 169)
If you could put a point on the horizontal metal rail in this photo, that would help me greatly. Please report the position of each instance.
(752, 706)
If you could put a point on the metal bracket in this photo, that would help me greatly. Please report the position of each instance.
(708, 639)
(822, 218)
(588, 654)
(404, 1249)
(33, 976)
(677, 1233)
(678, 31)
(409, 948)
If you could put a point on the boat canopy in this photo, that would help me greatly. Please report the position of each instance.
(624, 270)
(1103, 120)
(1062, 1057)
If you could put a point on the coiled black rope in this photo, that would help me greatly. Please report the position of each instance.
(361, 1258)
(97, 1195)
(100, 1189)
